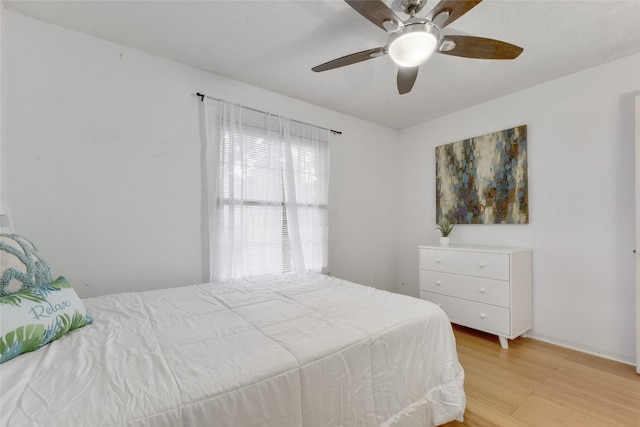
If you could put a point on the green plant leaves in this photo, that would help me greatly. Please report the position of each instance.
(22, 340)
(79, 320)
(15, 299)
(445, 227)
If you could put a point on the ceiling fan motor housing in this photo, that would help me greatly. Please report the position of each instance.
(412, 7)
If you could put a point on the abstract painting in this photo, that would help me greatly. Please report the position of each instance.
(483, 180)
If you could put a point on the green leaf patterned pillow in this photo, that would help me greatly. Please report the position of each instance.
(35, 317)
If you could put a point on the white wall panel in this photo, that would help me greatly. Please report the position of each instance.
(105, 170)
(581, 200)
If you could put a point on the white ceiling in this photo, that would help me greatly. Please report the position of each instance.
(274, 44)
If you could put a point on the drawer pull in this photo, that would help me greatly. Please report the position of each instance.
(482, 265)
(438, 260)
(439, 282)
(483, 290)
(482, 316)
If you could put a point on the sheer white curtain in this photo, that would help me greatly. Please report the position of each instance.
(309, 151)
(268, 191)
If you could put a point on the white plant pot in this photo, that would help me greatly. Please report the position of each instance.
(444, 241)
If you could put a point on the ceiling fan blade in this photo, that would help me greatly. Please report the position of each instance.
(479, 47)
(406, 79)
(455, 8)
(376, 12)
(350, 59)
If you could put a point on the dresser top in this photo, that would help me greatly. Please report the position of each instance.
(474, 248)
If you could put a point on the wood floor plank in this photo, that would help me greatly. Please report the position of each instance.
(600, 386)
(495, 396)
(603, 365)
(575, 399)
(624, 376)
(543, 412)
(534, 383)
(481, 415)
(493, 376)
(514, 363)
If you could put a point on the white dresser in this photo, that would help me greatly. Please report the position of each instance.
(482, 287)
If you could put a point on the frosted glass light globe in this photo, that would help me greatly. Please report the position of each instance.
(413, 45)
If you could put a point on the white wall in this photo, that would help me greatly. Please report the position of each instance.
(3, 167)
(581, 197)
(105, 164)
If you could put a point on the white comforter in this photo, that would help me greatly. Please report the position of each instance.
(293, 350)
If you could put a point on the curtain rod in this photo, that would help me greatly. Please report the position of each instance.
(203, 96)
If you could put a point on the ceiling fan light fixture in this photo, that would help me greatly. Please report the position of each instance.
(413, 45)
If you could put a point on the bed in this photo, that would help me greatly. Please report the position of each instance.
(287, 350)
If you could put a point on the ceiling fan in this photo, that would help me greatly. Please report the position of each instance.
(411, 42)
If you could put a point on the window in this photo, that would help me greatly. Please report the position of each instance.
(270, 208)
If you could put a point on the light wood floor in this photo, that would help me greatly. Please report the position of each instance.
(538, 384)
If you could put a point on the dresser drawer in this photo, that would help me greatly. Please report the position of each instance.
(488, 291)
(484, 317)
(479, 264)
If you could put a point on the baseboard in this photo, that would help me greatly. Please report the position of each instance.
(627, 360)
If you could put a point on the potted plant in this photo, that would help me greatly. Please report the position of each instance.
(445, 228)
